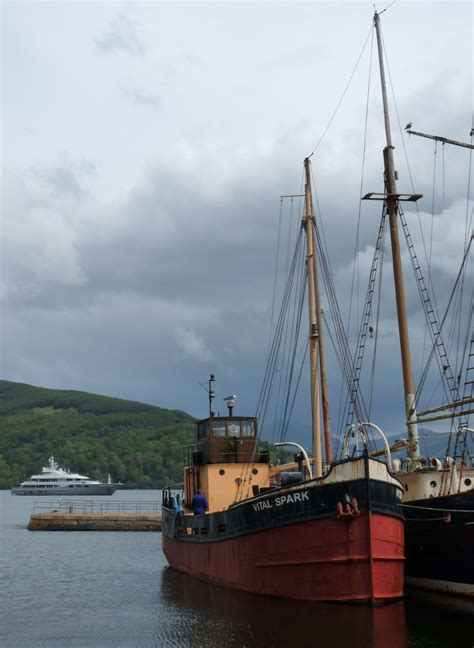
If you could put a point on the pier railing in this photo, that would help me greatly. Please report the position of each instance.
(96, 506)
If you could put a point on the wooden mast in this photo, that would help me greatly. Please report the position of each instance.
(392, 209)
(322, 354)
(314, 309)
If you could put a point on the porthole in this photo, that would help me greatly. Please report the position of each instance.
(406, 488)
(222, 471)
(433, 484)
(467, 482)
(254, 471)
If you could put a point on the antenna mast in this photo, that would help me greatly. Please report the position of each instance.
(210, 392)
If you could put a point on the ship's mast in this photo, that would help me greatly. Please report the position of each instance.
(392, 208)
(315, 331)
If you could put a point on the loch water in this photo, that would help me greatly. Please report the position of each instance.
(76, 589)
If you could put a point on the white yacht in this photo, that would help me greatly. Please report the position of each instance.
(54, 480)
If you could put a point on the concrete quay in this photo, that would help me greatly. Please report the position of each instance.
(75, 521)
(95, 515)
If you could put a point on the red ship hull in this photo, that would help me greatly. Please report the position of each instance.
(358, 559)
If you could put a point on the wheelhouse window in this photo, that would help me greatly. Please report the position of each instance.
(218, 428)
(248, 428)
(221, 428)
(203, 430)
(233, 429)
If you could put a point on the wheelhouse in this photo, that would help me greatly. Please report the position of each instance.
(226, 462)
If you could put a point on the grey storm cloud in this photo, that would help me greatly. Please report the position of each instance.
(189, 270)
(62, 181)
(138, 273)
(122, 35)
(146, 99)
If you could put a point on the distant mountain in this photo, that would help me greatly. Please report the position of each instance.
(432, 444)
(138, 444)
(15, 397)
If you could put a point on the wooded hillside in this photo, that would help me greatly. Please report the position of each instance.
(139, 445)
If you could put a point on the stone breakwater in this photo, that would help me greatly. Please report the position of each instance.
(60, 521)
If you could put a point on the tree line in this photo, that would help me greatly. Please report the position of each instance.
(138, 445)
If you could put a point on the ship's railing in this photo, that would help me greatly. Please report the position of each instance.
(96, 506)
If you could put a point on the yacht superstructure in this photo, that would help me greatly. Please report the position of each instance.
(54, 480)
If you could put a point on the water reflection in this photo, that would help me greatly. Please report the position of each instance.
(436, 619)
(215, 616)
(111, 590)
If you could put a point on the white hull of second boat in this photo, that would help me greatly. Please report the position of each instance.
(55, 481)
(102, 489)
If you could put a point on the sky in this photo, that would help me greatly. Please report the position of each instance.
(145, 147)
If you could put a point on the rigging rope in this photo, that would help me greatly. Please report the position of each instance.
(277, 257)
(343, 353)
(269, 373)
(377, 319)
(264, 397)
(441, 324)
(343, 94)
(401, 131)
(281, 359)
(357, 360)
(293, 341)
(468, 226)
(285, 422)
(356, 267)
(435, 156)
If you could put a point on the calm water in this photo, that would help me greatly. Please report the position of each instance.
(104, 590)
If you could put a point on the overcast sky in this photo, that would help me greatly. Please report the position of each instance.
(145, 147)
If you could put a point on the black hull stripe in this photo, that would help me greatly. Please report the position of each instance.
(268, 512)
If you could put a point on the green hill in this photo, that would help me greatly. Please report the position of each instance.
(139, 445)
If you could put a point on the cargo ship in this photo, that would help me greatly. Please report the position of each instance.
(339, 537)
